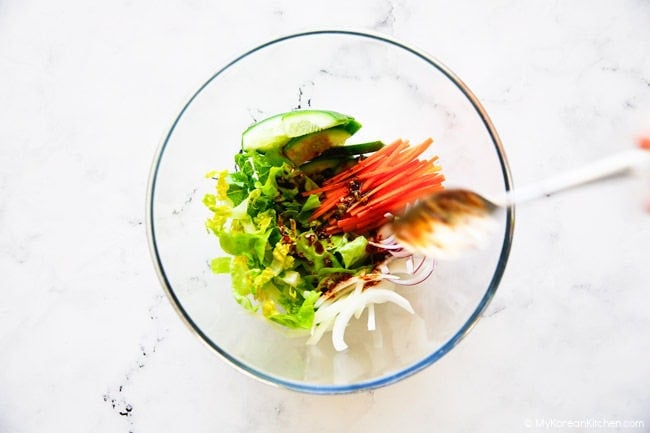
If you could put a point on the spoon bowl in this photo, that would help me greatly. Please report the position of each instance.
(448, 223)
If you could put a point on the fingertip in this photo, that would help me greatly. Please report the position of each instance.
(644, 142)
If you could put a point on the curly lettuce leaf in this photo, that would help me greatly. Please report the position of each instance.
(277, 262)
(220, 265)
(353, 252)
(300, 317)
(241, 282)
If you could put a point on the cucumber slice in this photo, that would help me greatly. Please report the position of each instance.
(307, 147)
(303, 122)
(353, 149)
(352, 126)
(276, 131)
(265, 135)
(326, 167)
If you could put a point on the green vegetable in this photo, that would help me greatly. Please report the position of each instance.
(326, 166)
(336, 159)
(279, 260)
(353, 252)
(220, 265)
(272, 134)
(352, 149)
(307, 147)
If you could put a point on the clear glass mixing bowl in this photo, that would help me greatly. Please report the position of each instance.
(395, 91)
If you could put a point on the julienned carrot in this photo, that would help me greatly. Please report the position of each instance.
(389, 199)
(395, 202)
(365, 165)
(358, 199)
(387, 176)
(389, 202)
(328, 204)
(407, 170)
(375, 158)
(397, 158)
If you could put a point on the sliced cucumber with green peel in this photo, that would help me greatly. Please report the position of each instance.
(353, 149)
(303, 122)
(327, 167)
(276, 131)
(302, 149)
(265, 135)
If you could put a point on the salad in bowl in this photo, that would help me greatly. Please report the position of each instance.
(298, 280)
(305, 221)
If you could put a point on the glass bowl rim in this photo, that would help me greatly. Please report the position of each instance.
(382, 380)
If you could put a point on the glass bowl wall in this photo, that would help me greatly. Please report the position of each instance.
(395, 91)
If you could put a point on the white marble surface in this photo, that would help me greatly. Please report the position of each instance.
(89, 342)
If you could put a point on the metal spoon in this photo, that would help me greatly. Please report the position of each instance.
(448, 223)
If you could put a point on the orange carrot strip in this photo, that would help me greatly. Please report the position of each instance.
(322, 189)
(328, 204)
(387, 160)
(380, 178)
(389, 179)
(404, 170)
(424, 186)
(372, 159)
(405, 154)
(394, 164)
(412, 170)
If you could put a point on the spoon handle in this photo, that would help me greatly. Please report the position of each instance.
(618, 165)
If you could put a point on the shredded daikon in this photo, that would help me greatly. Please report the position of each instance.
(351, 297)
(355, 301)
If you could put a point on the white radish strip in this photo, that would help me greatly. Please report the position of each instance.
(357, 291)
(325, 316)
(323, 321)
(371, 317)
(343, 287)
(339, 288)
(376, 296)
(328, 312)
(318, 332)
